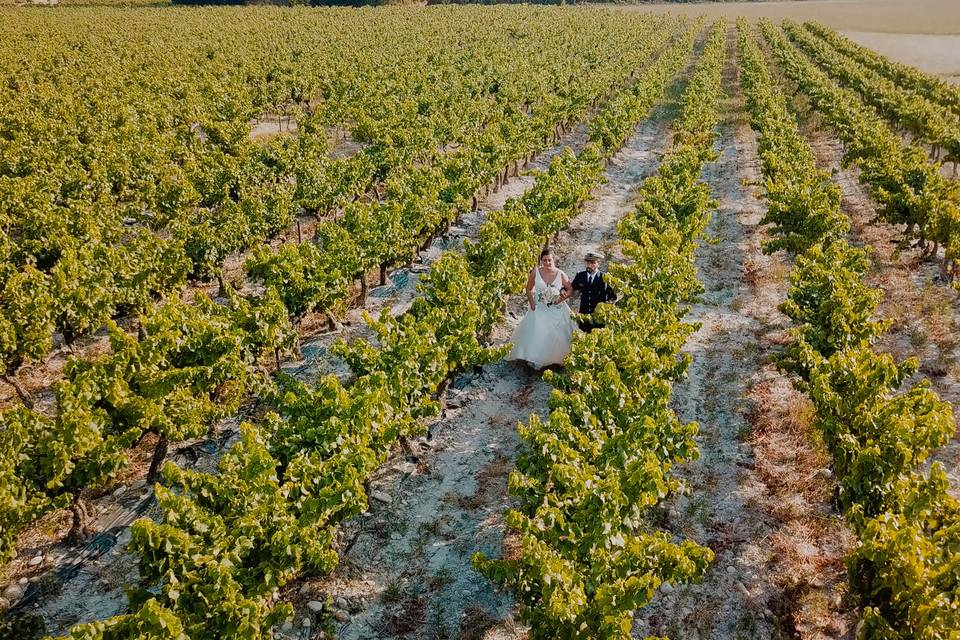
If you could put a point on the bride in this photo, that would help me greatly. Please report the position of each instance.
(543, 336)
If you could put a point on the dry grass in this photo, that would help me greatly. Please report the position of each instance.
(475, 624)
(410, 616)
(511, 545)
(811, 541)
(521, 398)
(752, 273)
(491, 483)
(935, 309)
(501, 420)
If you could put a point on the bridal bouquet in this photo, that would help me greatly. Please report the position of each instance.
(549, 296)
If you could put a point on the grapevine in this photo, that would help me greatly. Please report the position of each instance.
(878, 428)
(143, 387)
(909, 190)
(305, 464)
(586, 561)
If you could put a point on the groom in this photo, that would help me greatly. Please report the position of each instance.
(593, 290)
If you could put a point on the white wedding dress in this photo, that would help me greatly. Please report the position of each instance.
(544, 335)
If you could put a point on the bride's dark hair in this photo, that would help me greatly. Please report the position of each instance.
(546, 252)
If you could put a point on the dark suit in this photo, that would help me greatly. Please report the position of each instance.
(591, 294)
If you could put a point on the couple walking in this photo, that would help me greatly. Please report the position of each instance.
(544, 335)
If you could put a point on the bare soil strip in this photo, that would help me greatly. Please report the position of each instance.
(755, 495)
(406, 568)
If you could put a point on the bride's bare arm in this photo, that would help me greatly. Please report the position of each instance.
(567, 287)
(531, 283)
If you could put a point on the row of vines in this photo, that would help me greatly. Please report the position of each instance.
(587, 554)
(933, 88)
(909, 191)
(877, 428)
(903, 108)
(128, 169)
(191, 364)
(230, 540)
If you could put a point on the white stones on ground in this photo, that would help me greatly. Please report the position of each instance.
(341, 616)
(305, 587)
(666, 587)
(13, 592)
(743, 589)
(22, 581)
(36, 560)
(381, 496)
(406, 467)
(315, 605)
(287, 626)
(306, 622)
(341, 603)
(824, 474)
(731, 569)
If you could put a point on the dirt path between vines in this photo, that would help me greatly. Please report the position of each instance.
(76, 585)
(406, 572)
(754, 496)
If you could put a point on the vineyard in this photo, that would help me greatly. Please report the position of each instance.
(260, 271)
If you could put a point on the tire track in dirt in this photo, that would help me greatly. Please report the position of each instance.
(407, 569)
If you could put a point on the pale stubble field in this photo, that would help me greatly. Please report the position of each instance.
(922, 33)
